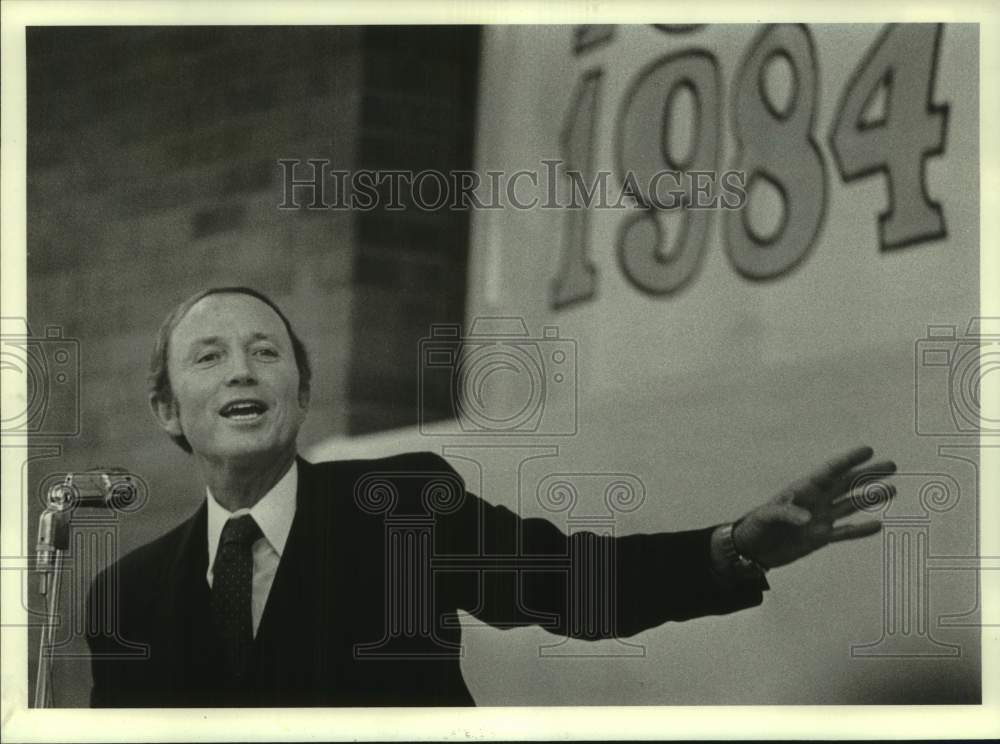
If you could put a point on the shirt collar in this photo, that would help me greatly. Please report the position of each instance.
(273, 514)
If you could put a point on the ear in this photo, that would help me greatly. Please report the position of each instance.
(166, 414)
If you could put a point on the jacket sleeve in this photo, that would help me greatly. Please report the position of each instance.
(104, 691)
(117, 656)
(511, 571)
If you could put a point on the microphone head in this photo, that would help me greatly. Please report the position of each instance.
(99, 488)
(62, 495)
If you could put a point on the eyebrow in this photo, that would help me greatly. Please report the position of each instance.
(209, 340)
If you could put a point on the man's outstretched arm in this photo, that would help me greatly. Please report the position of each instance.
(590, 586)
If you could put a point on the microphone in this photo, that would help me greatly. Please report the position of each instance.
(109, 488)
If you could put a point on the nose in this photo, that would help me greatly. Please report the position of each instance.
(240, 370)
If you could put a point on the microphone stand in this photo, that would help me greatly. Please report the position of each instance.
(53, 542)
(95, 489)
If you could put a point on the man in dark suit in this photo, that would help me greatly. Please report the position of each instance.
(298, 584)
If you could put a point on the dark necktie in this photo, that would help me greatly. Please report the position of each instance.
(232, 583)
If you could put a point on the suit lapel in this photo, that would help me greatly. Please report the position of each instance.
(184, 636)
(299, 621)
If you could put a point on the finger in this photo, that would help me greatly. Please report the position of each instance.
(788, 513)
(857, 477)
(854, 531)
(869, 497)
(840, 465)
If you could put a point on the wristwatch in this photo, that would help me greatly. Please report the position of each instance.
(740, 565)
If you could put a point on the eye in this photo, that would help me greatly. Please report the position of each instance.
(206, 357)
(267, 352)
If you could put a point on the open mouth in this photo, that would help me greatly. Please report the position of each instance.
(243, 410)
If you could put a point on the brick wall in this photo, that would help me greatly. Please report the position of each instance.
(418, 111)
(152, 173)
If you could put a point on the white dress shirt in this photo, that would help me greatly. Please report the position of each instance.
(273, 514)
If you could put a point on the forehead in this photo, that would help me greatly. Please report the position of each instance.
(227, 316)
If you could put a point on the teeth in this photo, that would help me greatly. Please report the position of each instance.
(243, 410)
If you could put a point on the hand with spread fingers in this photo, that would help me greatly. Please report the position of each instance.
(808, 514)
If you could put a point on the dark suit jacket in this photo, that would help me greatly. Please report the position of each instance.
(363, 610)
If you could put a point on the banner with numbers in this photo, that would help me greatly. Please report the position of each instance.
(836, 167)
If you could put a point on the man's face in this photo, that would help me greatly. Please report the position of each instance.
(234, 380)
